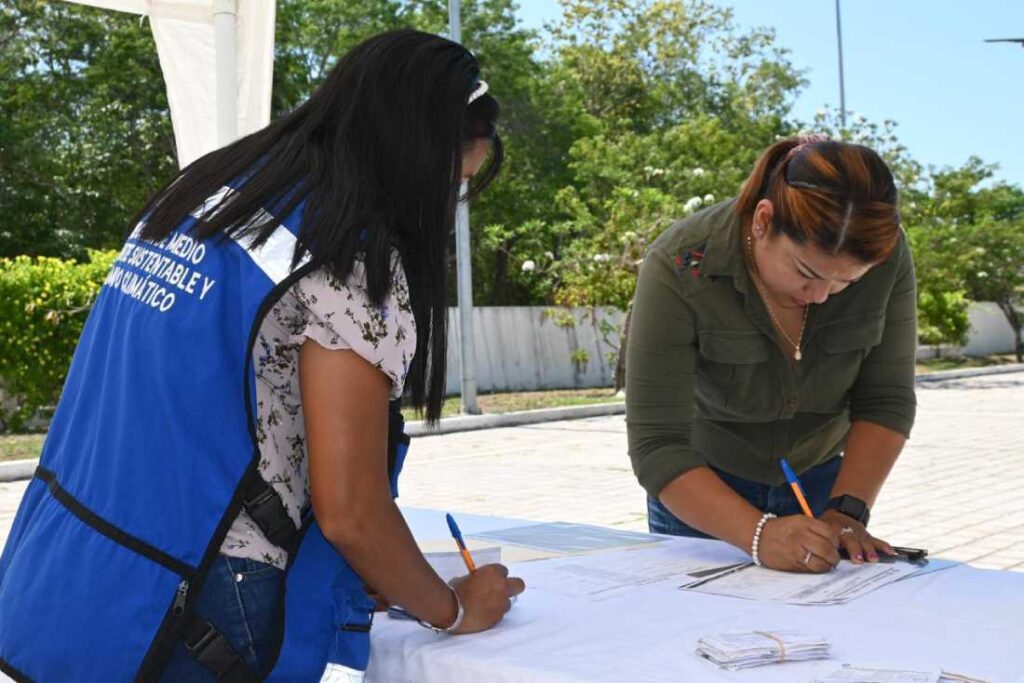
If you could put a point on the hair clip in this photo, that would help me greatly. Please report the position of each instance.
(804, 139)
(811, 138)
(478, 91)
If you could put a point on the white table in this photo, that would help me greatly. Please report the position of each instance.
(962, 619)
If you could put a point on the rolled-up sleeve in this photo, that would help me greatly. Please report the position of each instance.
(659, 377)
(884, 390)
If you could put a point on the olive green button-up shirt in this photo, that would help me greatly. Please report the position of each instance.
(707, 384)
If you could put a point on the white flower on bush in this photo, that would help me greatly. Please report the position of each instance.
(698, 172)
(602, 258)
(692, 204)
(550, 256)
(709, 198)
(529, 266)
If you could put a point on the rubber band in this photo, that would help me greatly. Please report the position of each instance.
(782, 645)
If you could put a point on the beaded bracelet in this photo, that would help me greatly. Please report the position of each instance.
(757, 536)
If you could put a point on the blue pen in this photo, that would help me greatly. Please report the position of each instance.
(457, 535)
(798, 490)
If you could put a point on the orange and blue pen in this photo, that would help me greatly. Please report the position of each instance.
(457, 535)
(798, 490)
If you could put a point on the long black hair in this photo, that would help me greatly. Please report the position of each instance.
(376, 154)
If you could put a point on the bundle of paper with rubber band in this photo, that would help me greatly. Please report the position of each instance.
(755, 648)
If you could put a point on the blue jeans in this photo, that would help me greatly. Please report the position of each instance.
(817, 484)
(242, 599)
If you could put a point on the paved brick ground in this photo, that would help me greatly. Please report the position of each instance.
(958, 489)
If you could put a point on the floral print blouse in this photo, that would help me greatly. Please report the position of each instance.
(335, 315)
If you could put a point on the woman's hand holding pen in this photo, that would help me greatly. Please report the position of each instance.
(855, 539)
(486, 595)
(797, 543)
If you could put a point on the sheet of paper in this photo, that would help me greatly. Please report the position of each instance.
(602, 576)
(857, 674)
(449, 563)
(846, 582)
(951, 677)
(562, 537)
(509, 553)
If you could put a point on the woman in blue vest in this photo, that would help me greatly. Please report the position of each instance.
(227, 433)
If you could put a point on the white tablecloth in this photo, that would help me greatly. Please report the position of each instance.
(962, 619)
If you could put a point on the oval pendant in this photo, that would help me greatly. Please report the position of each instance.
(798, 355)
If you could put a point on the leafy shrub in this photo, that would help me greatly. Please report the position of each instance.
(44, 303)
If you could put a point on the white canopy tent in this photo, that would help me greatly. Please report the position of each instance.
(217, 58)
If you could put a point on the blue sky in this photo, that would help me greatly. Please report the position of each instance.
(922, 63)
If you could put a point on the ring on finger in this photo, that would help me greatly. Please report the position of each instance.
(807, 557)
(846, 530)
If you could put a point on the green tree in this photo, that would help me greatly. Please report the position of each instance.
(673, 104)
(995, 270)
(84, 131)
(310, 36)
(965, 230)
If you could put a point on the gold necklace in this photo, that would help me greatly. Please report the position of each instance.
(797, 355)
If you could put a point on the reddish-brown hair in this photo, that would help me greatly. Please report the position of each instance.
(837, 196)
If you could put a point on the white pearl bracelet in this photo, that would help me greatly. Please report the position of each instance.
(757, 536)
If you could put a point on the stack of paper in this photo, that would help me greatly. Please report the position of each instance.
(844, 583)
(604, 576)
(743, 650)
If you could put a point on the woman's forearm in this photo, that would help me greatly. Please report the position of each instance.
(701, 499)
(346, 438)
(871, 451)
(376, 541)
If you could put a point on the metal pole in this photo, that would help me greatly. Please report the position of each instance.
(464, 267)
(842, 85)
(464, 273)
(454, 21)
(226, 71)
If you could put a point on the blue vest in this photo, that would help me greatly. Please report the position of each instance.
(147, 462)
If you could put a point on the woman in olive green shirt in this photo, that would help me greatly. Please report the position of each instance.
(778, 325)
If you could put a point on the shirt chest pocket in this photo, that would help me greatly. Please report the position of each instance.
(731, 374)
(843, 347)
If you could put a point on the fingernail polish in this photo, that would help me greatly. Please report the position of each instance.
(874, 558)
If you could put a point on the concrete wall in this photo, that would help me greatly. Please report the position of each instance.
(990, 331)
(530, 348)
(990, 334)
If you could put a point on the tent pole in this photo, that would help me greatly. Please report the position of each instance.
(224, 12)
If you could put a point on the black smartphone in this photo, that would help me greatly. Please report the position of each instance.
(908, 554)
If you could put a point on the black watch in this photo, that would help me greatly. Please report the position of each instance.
(851, 506)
